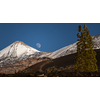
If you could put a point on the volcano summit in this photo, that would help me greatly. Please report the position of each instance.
(17, 51)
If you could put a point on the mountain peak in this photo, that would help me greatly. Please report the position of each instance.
(17, 42)
(16, 51)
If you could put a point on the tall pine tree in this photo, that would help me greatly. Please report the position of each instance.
(85, 60)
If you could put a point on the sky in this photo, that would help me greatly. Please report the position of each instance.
(47, 37)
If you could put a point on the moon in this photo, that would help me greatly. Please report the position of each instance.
(38, 45)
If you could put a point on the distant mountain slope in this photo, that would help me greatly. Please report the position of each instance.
(73, 48)
(17, 51)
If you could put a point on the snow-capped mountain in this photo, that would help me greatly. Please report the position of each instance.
(17, 51)
(73, 48)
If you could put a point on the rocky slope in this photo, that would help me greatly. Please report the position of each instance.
(21, 65)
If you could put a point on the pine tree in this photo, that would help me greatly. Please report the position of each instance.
(85, 60)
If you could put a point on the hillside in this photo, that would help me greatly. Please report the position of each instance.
(63, 65)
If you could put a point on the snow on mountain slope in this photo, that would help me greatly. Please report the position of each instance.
(17, 51)
(64, 51)
(73, 48)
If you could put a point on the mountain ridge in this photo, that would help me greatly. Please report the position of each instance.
(19, 51)
(70, 49)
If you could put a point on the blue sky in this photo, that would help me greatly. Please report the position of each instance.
(51, 36)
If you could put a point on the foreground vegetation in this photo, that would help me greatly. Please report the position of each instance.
(54, 74)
